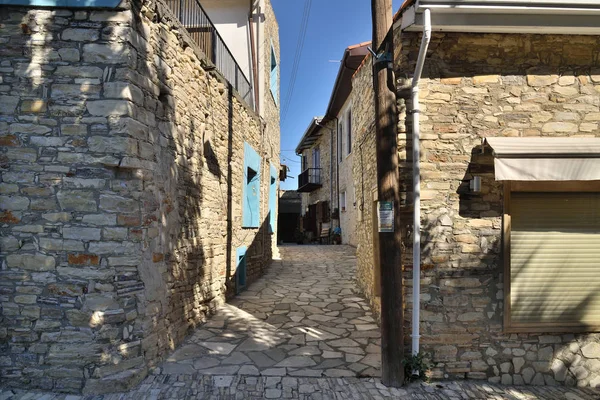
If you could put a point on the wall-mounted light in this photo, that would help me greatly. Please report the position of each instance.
(475, 184)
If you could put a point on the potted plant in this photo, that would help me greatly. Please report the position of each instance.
(336, 236)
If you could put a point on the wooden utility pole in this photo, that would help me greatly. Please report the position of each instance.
(392, 313)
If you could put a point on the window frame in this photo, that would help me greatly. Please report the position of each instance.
(316, 157)
(343, 204)
(535, 187)
(340, 144)
(274, 75)
(348, 120)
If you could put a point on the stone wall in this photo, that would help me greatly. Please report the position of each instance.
(365, 179)
(474, 86)
(270, 110)
(346, 181)
(122, 162)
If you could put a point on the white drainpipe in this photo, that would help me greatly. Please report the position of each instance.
(417, 184)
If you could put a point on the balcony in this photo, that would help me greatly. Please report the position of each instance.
(203, 32)
(309, 180)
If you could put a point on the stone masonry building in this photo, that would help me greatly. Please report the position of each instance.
(326, 150)
(138, 187)
(514, 304)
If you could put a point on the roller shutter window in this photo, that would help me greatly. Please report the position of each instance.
(555, 260)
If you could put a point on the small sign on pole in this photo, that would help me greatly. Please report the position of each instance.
(385, 216)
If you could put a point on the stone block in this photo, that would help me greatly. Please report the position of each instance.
(123, 90)
(560, 127)
(8, 104)
(99, 274)
(70, 91)
(24, 155)
(113, 203)
(14, 203)
(57, 217)
(80, 34)
(69, 54)
(31, 262)
(542, 80)
(107, 108)
(77, 200)
(100, 219)
(591, 350)
(110, 16)
(486, 79)
(34, 106)
(73, 129)
(112, 144)
(51, 244)
(78, 72)
(111, 53)
(25, 299)
(81, 233)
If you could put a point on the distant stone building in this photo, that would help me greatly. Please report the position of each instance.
(140, 163)
(510, 265)
(326, 151)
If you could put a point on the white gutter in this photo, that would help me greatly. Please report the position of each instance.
(416, 317)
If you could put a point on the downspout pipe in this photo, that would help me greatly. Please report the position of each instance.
(416, 154)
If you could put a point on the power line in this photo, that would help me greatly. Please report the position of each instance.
(297, 57)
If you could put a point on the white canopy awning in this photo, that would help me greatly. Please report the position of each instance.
(546, 158)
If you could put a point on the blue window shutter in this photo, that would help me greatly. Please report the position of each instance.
(273, 200)
(241, 269)
(251, 188)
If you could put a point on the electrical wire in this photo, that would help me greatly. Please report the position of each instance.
(297, 57)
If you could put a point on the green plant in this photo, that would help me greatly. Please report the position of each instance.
(415, 368)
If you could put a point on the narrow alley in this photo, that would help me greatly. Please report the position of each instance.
(303, 318)
(301, 331)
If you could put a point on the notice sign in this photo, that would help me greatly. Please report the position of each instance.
(385, 216)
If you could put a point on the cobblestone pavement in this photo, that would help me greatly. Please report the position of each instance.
(303, 318)
(300, 332)
(240, 387)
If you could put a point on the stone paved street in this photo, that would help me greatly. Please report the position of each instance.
(300, 332)
(304, 318)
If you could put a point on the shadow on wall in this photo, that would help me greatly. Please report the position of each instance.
(116, 301)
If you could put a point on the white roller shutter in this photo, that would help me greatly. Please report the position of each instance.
(555, 259)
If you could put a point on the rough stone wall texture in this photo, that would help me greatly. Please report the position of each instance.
(122, 162)
(270, 111)
(347, 184)
(365, 179)
(478, 85)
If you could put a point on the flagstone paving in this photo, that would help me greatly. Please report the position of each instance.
(303, 318)
(300, 332)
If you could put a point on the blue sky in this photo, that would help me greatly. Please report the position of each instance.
(333, 25)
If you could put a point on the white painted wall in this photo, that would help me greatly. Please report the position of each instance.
(346, 180)
(230, 17)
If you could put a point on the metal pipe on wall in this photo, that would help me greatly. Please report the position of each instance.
(416, 154)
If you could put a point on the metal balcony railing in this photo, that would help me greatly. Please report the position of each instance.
(309, 180)
(203, 31)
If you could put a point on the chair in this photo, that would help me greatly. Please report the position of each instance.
(325, 229)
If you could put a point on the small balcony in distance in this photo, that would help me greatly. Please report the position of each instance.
(309, 180)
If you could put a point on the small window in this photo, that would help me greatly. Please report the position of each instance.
(316, 157)
(274, 75)
(349, 131)
(343, 201)
(340, 141)
(251, 188)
